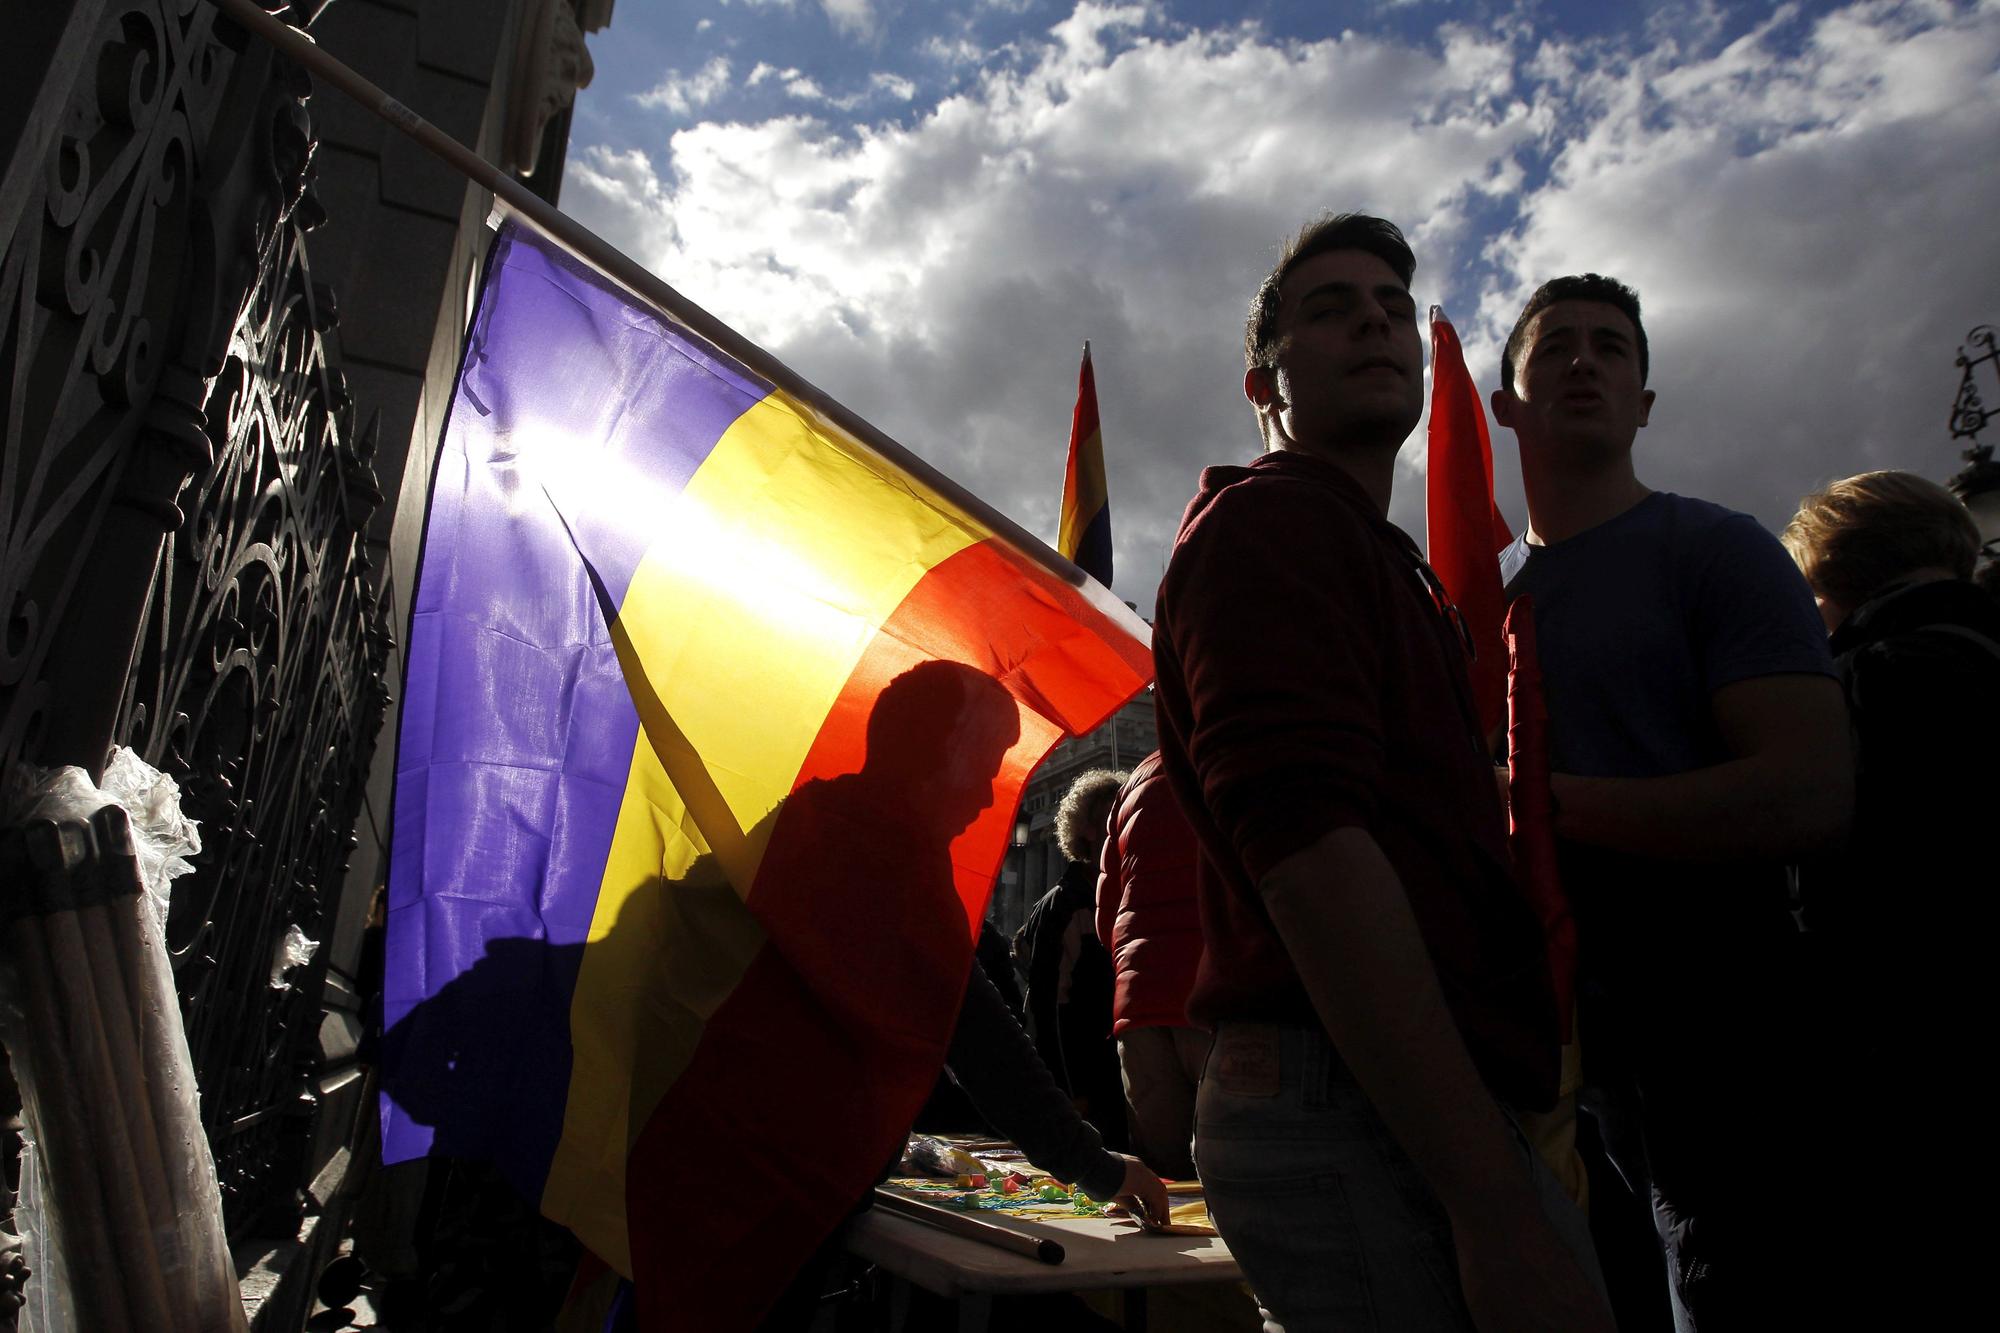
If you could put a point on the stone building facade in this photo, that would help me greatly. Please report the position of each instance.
(1034, 863)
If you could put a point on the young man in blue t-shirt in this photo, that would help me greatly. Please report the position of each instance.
(1700, 743)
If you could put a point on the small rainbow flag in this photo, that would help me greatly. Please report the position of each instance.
(714, 725)
(1084, 531)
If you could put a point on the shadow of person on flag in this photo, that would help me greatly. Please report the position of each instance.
(810, 1073)
(863, 861)
(781, 1041)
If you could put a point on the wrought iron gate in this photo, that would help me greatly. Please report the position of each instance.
(183, 500)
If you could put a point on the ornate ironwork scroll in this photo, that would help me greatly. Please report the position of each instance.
(259, 688)
(1969, 412)
(1978, 482)
(93, 308)
(182, 499)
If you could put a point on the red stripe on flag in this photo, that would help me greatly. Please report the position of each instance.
(722, 1205)
(807, 1077)
(1466, 531)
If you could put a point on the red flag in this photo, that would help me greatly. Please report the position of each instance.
(1466, 530)
(1467, 534)
(1531, 805)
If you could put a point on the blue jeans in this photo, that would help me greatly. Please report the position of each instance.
(1333, 1225)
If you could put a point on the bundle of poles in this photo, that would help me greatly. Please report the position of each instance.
(94, 1028)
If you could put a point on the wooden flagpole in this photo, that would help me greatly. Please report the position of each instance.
(621, 268)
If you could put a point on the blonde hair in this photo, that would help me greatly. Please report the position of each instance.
(1093, 788)
(1855, 537)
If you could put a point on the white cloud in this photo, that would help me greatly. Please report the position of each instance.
(1806, 212)
(941, 276)
(855, 17)
(1807, 223)
(682, 93)
(802, 87)
(895, 85)
(957, 51)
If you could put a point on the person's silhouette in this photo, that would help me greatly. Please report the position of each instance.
(843, 964)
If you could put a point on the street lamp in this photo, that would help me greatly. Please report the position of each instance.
(1978, 485)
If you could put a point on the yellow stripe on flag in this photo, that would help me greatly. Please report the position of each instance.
(1079, 509)
(768, 579)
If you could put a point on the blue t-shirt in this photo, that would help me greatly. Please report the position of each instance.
(1639, 621)
(1642, 618)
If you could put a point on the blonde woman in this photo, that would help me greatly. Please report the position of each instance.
(1901, 922)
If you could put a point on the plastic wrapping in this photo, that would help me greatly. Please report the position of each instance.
(47, 1293)
(126, 1202)
(294, 950)
(163, 837)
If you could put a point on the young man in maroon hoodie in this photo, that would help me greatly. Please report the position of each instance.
(1373, 977)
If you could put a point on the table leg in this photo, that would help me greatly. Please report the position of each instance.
(899, 1304)
(974, 1313)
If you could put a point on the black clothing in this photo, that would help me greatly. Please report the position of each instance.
(1069, 1016)
(1898, 921)
(949, 1110)
(997, 962)
(1899, 932)
(993, 1060)
(1921, 665)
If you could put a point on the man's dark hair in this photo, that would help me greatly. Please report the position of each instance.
(1575, 287)
(1336, 231)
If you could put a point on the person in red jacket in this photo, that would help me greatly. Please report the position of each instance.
(1148, 917)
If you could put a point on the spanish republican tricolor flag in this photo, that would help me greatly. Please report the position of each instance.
(1084, 532)
(714, 725)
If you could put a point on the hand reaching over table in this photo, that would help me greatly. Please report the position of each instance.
(1141, 1192)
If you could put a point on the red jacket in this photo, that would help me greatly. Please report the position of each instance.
(1148, 914)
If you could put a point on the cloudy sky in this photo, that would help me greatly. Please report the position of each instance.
(926, 207)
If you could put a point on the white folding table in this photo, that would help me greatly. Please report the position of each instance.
(1101, 1254)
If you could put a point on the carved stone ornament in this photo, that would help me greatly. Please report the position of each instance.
(550, 64)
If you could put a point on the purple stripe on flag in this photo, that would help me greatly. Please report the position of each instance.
(622, 402)
(517, 736)
(1093, 549)
(517, 726)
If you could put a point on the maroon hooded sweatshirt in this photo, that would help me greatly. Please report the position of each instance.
(1309, 680)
